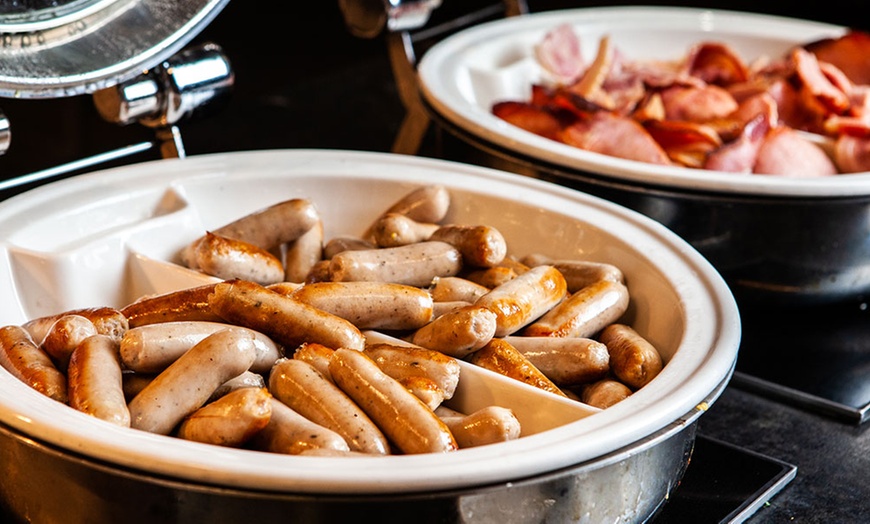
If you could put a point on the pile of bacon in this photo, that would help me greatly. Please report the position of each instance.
(804, 114)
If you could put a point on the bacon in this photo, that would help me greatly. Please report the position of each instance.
(716, 63)
(708, 109)
(848, 53)
(738, 156)
(785, 152)
(559, 54)
(685, 143)
(529, 117)
(615, 135)
(697, 104)
(852, 154)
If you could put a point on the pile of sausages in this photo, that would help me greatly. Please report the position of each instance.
(273, 354)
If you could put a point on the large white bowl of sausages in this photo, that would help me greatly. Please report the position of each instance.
(324, 333)
(744, 133)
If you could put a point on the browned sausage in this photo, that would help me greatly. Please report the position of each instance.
(394, 229)
(452, 289)
(183, 304)
(287, 321)
(370, 305)
(487, 425)
(95, 380)
(63, 337)
(290, 433)
(584, 313)
(232, 420)
(401, 362)
(303, 254)
(267, 228)
(304, 389)
(428, 203)
(338, 244)
(189, 382)
(500, 356)
(525, 298)
(480, 245)
(579, 273)
(458, 333)
(152, 348)
(108, 321)
(228, 258)
(413, 265)
(409, 424)
(315, 354)
(21, 356)
(633, 359)
(604, 393)
(567, 361)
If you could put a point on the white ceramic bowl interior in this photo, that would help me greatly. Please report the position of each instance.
(462, 75)
(108, 237)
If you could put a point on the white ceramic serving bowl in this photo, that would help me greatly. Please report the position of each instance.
(774, 238)
(108, 237)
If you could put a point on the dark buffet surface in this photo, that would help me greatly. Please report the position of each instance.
(320, 87)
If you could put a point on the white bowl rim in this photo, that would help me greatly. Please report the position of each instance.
(717, 326)
(441, 64)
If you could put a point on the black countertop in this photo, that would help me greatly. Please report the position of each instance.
(323, 88)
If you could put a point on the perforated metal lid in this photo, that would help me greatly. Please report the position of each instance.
(59, 48)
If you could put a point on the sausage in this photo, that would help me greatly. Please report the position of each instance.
(492, 277)
(458, 333)
(480, 245)
(108, 321)
(604, 393)
(579, 273)
(425, 389)
(231, 420)
(633, 359)
(409, 424)
(315, 354)
(428, 203)
(452, 289)
(487, 425)
(183, 304)
(303, 253)
(248, 379)
(525, 298)
(401, 362)
(134, 382)
(187, 383)
(21, 356)
(228, 258)
(567, 361)
(290, 433)
(267, 228)
(414, 264)
(394, 229)
(319, 272)
(583, 313)
(63, 337)
(287, 321)
(442, 308)
(370, 305)
(304, 389)
(501, 357)
(152, 348)
(95, 380)
(338, 244)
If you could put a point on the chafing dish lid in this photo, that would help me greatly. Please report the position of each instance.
(59, 48)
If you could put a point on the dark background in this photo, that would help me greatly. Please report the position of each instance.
(302, 81)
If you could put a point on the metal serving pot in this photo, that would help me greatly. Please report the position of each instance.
(776, 240)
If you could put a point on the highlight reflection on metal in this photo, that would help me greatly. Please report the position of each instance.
(83, 46)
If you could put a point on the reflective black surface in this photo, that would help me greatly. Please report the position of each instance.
(322, 88)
